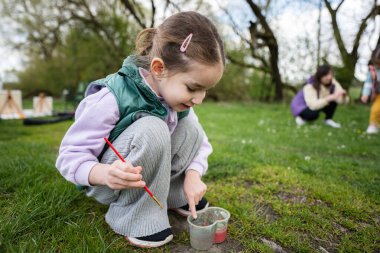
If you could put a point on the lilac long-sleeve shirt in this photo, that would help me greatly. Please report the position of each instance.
(95, 117)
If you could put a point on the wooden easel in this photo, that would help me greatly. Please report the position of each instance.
(12, 105)
(42, 104)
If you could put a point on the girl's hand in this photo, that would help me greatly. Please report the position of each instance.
(194, 190)
(335, 96)
(124, 175)
(117, 176)
(364, 99)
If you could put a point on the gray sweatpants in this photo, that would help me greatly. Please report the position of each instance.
(164, 159)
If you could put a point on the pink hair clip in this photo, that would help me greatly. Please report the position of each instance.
(186, 43)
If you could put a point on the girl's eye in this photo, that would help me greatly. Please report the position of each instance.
(189, 89)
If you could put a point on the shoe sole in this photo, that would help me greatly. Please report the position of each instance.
(146, 244)
(186, 213)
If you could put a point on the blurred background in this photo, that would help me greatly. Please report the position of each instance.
(272, 46)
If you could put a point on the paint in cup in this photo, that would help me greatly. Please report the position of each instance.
(209, 227)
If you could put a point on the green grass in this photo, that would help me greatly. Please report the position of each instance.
(302, 188)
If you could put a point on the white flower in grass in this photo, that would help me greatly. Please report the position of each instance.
(307, 158)
(261, 122)
(243, 141)
(329, 133)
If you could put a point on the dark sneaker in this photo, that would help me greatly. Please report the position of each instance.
(184, 210)
(152, 241)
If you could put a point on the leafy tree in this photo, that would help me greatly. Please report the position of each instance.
(72, 42)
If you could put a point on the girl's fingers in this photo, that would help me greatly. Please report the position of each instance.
(127, 184)
(192, 208)
(138, 184)
(117, 186)
(196, 199)
(128, 167)
(129, 176)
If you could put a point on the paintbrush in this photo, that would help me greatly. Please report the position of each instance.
(122, 159)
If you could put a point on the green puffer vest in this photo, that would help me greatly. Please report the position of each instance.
(134, 98)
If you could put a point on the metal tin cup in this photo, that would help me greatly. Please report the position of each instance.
(209, 227)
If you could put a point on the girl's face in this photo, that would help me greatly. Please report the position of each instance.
(326, 79)
(183, 90)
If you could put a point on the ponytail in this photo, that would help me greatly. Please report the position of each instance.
(144, 41)
(165, 42)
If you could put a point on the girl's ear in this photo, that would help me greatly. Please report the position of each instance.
(157, 67)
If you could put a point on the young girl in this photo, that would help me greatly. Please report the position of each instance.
(145, 109)
(372, 88)
(322, 93)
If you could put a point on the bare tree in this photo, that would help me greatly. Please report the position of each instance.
(349, 57)
(263, 47)
(141, 14)
(138, 14)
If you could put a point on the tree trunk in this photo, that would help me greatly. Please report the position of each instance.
(276, 76)
(346, 73)
(270, 41)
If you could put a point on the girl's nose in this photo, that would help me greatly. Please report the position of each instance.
(198, 98)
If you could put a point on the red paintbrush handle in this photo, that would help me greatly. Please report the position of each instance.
(122, 159)
(114, 149)
(148, 191)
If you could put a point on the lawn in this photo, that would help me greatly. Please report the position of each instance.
(308, 189)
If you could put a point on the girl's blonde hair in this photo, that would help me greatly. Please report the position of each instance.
(165, 41)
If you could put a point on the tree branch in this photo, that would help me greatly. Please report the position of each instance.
(235, 26)
(338, 37)
(374, 11)
(256, 10)
(153, 13)
(168, 2)
(340, 4)
(94, 22)
(246, 65)
(251, 44)
(131, 9)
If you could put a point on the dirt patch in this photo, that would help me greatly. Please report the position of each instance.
(324, 245)
(364, 225)
(247, 183)
(266, 211)
(288, 197)
(340, 227)
(178, 223)
(274, 246)
(318, 202)
(228, 245)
